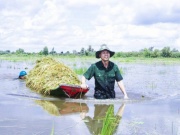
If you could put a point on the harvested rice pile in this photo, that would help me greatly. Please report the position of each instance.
(48, 74)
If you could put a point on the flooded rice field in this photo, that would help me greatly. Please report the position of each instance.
(153, 107)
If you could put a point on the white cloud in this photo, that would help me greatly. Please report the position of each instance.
(123, 25)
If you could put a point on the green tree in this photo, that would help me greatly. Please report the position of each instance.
(8, 51)
(174, 50)
(45, 51)
(67, 53)
(151, 48)
(155, 53)
(166, 52)
(52, 51)
(87, 53)
(147, 52)
(82, 51)
(74, 52)
(40, 53)
(119, 54)
(175, 55)
(90, 49)
(20, 51)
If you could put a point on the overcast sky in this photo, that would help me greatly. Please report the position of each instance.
(66, 25)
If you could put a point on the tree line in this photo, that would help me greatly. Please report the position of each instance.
(151, 53)
(45, 51)
(146, 52)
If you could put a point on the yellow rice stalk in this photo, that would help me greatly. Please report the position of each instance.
(48, 74)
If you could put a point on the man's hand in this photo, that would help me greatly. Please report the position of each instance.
(84, 86)
(83, 115)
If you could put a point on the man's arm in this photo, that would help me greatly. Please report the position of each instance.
(121, 110)
(122, 88)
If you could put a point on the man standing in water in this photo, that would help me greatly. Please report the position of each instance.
(105, 73)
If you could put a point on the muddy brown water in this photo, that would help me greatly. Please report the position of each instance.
(153, 107)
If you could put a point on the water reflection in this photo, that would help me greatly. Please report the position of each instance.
(104, 122)
(60, 107)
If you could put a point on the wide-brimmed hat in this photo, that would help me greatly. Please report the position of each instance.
(104, 47)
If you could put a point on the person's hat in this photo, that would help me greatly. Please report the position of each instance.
(104, 47)
(22, 73)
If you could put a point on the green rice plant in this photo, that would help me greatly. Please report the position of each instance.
(121, 70)
(80, 71)
(110, 122)
(52, 131)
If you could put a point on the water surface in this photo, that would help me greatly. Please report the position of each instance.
(153, 107)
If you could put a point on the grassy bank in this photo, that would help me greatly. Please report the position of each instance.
(143, 60)
(23, 57)
(72, 58)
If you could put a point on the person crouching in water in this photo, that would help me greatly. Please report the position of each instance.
(105, 74)
(22, 75)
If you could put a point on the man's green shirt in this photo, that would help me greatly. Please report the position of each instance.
(104, 79)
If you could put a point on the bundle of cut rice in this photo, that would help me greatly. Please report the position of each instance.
(48, 74)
